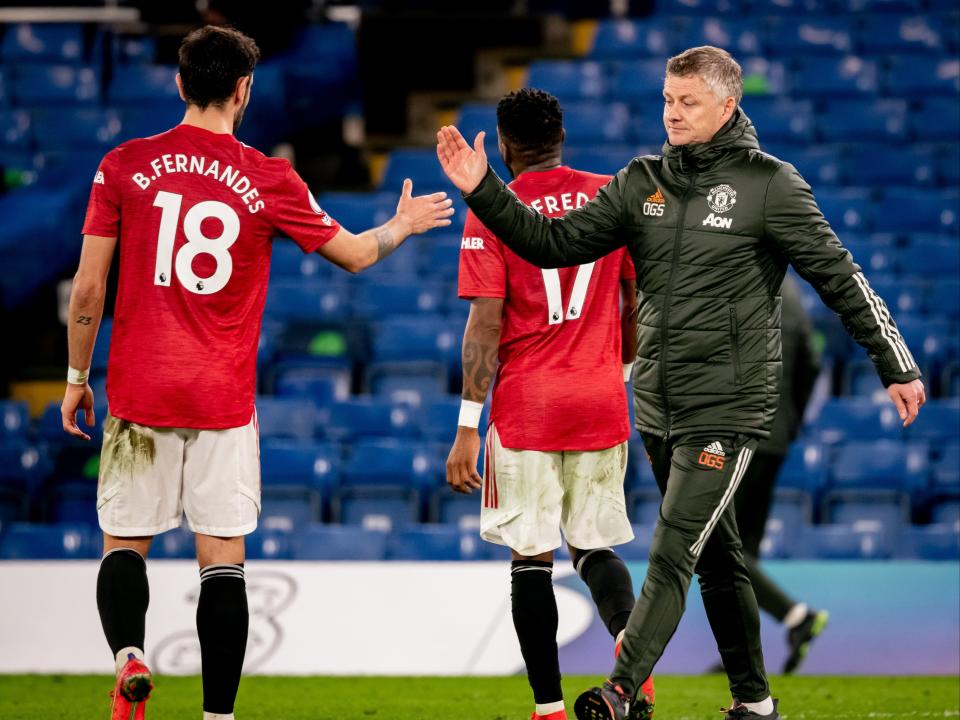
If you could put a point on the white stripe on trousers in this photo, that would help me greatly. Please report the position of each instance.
(743, 462)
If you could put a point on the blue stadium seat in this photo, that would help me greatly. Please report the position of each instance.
(453, 508)
(948, 171)
(790, 511)
(930, 542)
(644, 506)
(639, 471)
(843, 419)
(14, 419)
(946, 469)
(933, 258)
(840, 77)
(930, 211)
(943, 298)
(638, 549)
(439, 256)
(288, 261)
(74, 503)
(815, 35)
(919, 76)
(435, 542)
(391, 462)
(286, 418)
(697, 7)
(319, 381)
(568, 79)
(474, 117)
(891, 35)
(303, 464)
(421, 166)
(364, 417)
(43, 42)
(884, 165)
(147, 120)
(173, 544)
(35, 85)
(638, 81)
(903, 296)
(420, 338)
(24, 466)
(14, 504)
(861, 541)
(287, 509)
(596, 122)
(14, 130)
(847, 209)
(623, 38)
(361, 211)
(310, 300)
(859, 121)
(376, 508)
(28, 541)
(266, 544)
(820, 165)
(789, 7)
(740, 36)
(805, 467)
(600, 159)
(339, 542)
(890, 510)
(939, 422)
(138, 85)
(134, 49)
(763, 76)
(946, 512)
(876, 254)
(59, 130)
(379, 299)
(415, 383)
(781, 119)
(882, 464)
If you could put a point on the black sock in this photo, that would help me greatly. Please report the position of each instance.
(222, 623)
(122, 598)
(535, 619)
(609, 581)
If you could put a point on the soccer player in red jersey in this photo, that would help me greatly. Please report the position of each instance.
(556, 448)
(195, 211)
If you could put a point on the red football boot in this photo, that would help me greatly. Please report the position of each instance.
(132, 691)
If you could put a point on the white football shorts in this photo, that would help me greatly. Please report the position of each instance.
(530, 496)
(150, 476)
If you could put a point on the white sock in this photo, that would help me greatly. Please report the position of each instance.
(217, 716)
(796, 615)
(764, 707)
(124, 655)
(545, 708)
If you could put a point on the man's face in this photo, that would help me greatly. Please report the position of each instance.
(691, 111)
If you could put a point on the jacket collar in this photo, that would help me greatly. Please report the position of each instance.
(737, 133)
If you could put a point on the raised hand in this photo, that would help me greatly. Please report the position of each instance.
(423, 212)
(465, 166)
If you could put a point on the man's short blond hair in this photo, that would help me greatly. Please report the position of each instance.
(716, 66)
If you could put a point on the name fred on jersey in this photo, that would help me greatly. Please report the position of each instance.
(168, 163)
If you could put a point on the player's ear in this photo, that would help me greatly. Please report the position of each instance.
(240, 89)
(180, 88)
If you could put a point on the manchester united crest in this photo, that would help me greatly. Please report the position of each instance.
(721, 198)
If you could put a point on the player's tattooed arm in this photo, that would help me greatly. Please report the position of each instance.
(84, 319)
(481, 342)
(385, 243)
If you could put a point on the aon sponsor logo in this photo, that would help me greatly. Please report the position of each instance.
(717, 221)
(653, 209)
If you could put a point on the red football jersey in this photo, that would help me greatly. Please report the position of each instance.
(195, 213)
(560, 381)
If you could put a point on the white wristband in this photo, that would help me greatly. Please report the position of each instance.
(627, 372)
(470, 412)
(77, 377)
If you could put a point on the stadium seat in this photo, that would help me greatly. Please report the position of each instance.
(919, 76)
(858, 121)
(568, 80)
(74, 503)
(939, 422)
(390, 462)
(930, 542)
(286, 418)
(781, 120)
(366, 417)
(419, 338)
(138, 85)
(361, 211)
(623, 38)
(637, 81)
(421, 166)
(847, 209)
(903, 296)
(946, 512)
(66, 130)
(339, 542)
(300, 464)
(14, 419)
(308, 300)
(288, 261)
(930, 211)
(415, 383)
(835, 77)
(134, 49)
(319, 381)
(379, 299)
(891, 510)
(35, 85)
(822, 165)
(879, 6)
(30, 541)
(789, 7)
(946, 469)
(596, 122)
(638, 549)
(790, 511)
(43, 42)
(644, 506)
(24, 466)
(14, 504)
(890, 165)
(844, 419)
(813, 36)
(453, 508)
(287, 509)
(948, 171)
(639, 470)
(600, 159)
(266, 544)
(876, 254)
(943, 298)
(697, 7)
(763, 76)
(861, 541)
(177, 543)
(440, 257)
(882, 464)
(740, 36)
(933, 258)
(435, 542)
(15, 130)
(931, 340)
(375, 508)
(899, 34)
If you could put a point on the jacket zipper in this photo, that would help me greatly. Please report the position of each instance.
(665, 313)
(735, 346)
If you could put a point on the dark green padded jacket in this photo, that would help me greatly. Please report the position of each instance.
(711, 228)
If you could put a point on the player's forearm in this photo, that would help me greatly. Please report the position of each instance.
(481, 344)
(379, 243)
(86, 310)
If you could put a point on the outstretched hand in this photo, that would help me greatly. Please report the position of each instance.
(423, 212)
(465, 166)
(909, 398)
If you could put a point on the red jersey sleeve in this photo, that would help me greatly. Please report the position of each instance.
(103, 209)
(627, 270)
(483, 270)
(297, 215)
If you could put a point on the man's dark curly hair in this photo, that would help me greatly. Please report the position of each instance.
(212, 59)
(531, 121)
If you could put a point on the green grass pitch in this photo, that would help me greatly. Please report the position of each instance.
(69, 697)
